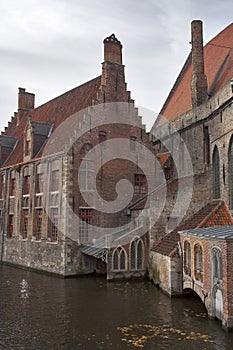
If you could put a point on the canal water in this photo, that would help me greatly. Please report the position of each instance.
(44, 312)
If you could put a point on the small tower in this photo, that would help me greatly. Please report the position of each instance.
(113, 86)
(199, 80)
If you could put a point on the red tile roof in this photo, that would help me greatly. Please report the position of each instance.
(215, 213)
(163, 157)
(53, 112)
(218, 62)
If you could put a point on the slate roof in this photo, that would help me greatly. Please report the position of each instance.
(7, 141)
(52, 113)
(215, 213)
(213, 232)
(218, 65)
(42, 129)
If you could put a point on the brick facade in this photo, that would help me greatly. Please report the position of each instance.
(45, 219)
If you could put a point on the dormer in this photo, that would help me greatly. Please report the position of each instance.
(28, 141)
(35, 136)
(7, 144)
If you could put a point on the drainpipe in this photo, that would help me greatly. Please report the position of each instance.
(181, 267)
(3, 218)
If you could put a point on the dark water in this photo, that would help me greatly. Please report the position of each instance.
(42, 312)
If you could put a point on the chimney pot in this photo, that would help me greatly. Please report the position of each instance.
(26, 100)
(112, 50)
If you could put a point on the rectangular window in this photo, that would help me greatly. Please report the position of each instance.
(53, 230)
(2, 185)
(26, 184)
(39, 182)
(86, 175)
(25, 224)
(140, 184)
(132, 143)
(85, 217)
(11, 226)
(38, 224)
(12, 187)
(54, 181)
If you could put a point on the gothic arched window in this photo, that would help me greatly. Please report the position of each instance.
(230, 166)
(216, 263)
(136, 254)
(119, 259)
(206, 145)
(216, 174)
(198, 262)
(187, 258)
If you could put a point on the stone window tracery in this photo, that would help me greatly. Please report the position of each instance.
(136, 254)
(198, 262)
(119, 259)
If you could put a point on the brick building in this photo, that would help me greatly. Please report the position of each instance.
(206, 269)
(47, 178)
(199, 109)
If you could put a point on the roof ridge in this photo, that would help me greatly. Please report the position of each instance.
(224, 30)
(65, 93)
(217, 206)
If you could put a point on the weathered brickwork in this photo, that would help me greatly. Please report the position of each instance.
(208, 285)
(44, 215)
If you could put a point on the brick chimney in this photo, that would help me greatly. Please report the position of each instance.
(113, 86)
(199, 80)
(112, 50)
(25, 100)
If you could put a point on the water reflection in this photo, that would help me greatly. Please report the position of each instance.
(23, 288)
(42, 312)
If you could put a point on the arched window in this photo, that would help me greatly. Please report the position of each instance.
(230, 166)
(136, 254)
(198, 262)
(119, 259)
(86, 169)
(216, 174)
(187, 258)
(216, 263)
(206, 145)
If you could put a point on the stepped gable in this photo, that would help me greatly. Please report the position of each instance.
(215, 213)
(218, 66)
(53, 112)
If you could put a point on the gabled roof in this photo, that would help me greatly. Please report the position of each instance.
(53, 113)
(218, 63)
(162, 158)
(215, 213)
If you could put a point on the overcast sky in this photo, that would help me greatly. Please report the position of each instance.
(51, 46)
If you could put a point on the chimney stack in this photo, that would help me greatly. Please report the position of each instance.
(25, 100)
(112, 50)
(199, 79)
